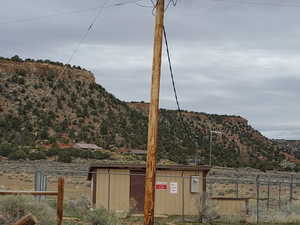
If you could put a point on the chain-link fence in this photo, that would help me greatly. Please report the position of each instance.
(267, 197)
(234, 197)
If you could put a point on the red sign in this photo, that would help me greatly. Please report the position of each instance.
(161, 186)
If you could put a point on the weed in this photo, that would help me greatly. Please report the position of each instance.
(13, 208)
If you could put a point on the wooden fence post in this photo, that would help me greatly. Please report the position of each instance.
(279, 195)
(26, 220)
(268, 200)
(237, 187)
(291, 188)
(182, 197)
(60, 200)
(257, 199)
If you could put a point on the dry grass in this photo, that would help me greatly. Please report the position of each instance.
(74, 186)
(13, 208)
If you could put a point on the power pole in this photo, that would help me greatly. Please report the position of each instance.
(153, 116)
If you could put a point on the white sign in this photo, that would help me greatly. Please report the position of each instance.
(173, 188)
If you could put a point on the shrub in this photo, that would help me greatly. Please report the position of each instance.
(6, 149)
(101, 216)
(52, 151)
(16, 58)
(77, 208)
(37, 155)
(100, 155)
(13, 208)
(17, 155)
(207, 212)
(64, 156)
(80, 208)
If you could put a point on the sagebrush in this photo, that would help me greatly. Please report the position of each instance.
(13, 208)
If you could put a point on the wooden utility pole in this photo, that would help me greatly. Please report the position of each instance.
(153, 116)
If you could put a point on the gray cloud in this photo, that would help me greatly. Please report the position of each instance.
(229, 57)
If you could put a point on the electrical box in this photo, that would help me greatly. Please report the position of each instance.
(195, 184)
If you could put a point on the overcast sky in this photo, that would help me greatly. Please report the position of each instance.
(237, 57)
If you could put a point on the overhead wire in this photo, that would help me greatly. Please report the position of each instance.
(32, 19)
(144, 6)
(256, 3)
(184, 126)
(88, 30)
(169, 3)
(90, 27)
(24, 20)
(173, 3)
(171, 69)
(80, 43)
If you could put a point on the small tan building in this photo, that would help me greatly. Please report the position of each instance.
(119, 187)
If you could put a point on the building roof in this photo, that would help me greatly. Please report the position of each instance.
(138, 152)
(86, 146)
(143, 167)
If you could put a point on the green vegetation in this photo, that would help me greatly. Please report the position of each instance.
(18, 59)
(13, 152)
(13, 208)
(81, 210)
(43, 107)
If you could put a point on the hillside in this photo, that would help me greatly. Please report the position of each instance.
(42, 102)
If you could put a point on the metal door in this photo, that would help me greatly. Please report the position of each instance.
(137, 190)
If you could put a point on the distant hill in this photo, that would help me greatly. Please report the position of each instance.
(44, 101)
(291, 147)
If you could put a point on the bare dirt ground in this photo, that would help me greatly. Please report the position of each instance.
(75, 186)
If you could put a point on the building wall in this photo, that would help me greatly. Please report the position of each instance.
(165, 201)
(102, 192)
(119, 190)
(113, 191)
(183, 202)
(192, 201)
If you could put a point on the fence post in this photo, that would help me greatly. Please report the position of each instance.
(26, 220)
(37, 182)
(60, 200)
(108, 184)
(40, 183)
(291, 188)
(279, 195)
(268, 199)
(237, 187)
(257, 199)
(182, 196)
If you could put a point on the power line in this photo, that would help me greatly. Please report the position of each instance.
(187, 132)
(32, 19)
(81, 41)
(90, 27)
(144, 6)
(88, 30)
(255, 3)
(48, 16)
(171, 70)
(170, 2)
